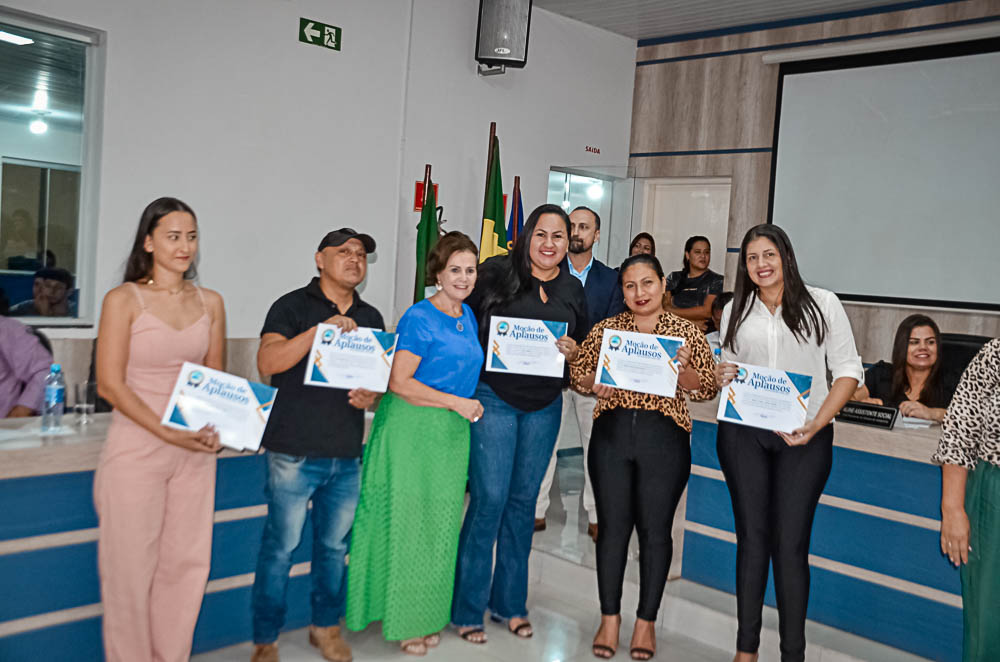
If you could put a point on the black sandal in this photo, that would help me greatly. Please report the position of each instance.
(521, 628)
(468, 634)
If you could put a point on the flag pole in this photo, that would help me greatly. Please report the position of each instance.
(489, 161)
(514, 208)
(427, 183)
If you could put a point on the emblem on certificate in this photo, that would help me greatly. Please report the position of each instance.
(766, 398)
(525, 347)
(359, 359)
(237, 407)
(641, 362)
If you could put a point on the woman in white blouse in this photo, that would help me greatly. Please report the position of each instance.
(775, 479)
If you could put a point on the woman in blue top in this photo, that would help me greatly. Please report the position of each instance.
(405, 538)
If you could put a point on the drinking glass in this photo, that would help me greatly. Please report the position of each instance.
(86, 398)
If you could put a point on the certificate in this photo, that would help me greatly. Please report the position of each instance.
(361, 358)
(525, 347)
(237, 407)
(641, 362)
(766, 398)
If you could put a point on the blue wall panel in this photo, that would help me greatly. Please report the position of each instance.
(887, 482)
(240, 481)
(884, 546)
(47, 580)
(39, 505)
(79, 641)
(921, 626)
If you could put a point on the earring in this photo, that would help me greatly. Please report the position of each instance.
(438, 286)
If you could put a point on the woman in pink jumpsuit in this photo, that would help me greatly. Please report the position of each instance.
(154, 489)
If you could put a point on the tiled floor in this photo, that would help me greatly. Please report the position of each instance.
(563, 604)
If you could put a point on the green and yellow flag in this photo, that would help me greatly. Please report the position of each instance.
(427, 236)
(494, 239)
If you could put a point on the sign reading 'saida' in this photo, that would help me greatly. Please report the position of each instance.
(238, 408)
(359, 359)
(640, 362)
(766, 398)
(525, 346)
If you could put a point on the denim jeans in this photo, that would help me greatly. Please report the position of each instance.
(332, 484)
(509, 454)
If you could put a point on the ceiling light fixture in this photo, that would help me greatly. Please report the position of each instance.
(38, 127)
(595, 192)
(41, 100)
(15, 39)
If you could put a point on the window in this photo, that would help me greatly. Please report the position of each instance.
(46, 251)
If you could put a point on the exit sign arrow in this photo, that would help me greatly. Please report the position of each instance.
(319, 34)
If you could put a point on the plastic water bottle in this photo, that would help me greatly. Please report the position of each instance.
(55, 399)
(717, 354)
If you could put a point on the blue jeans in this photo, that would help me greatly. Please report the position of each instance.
(332, 484)
(508, 457)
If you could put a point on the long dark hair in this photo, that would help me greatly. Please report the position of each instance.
(643, 235)
(515, 278)
(933, 389)
(140, 263)
(799, 310)
(688, 245)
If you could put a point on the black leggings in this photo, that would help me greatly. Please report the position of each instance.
(639, 463)
(775, 489)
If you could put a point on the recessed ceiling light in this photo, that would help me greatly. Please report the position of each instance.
(17, 40)
(38, 127)
(41, 100)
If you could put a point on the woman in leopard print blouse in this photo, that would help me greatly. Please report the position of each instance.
(969, 455)
(640, 455)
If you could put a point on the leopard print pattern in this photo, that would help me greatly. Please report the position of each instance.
(668, 325)
(971, 429)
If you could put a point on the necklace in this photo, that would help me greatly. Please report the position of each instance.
(166, 289)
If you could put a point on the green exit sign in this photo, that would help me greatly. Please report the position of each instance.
(319, 34)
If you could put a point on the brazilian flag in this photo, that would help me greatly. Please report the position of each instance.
(427, 236)
(494, 238)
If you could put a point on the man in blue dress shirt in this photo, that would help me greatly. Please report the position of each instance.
(604, 299)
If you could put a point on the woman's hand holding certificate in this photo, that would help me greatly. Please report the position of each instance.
(765, 398)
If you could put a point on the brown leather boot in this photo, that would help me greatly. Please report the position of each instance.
(330, 643)
(265, 653)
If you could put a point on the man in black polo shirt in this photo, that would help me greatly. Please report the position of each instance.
(313, 441)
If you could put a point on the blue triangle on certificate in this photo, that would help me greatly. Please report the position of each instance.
(177, 418)
(386, 340)
(263, 393)
(670, 346)
(606, 377)
(317, 376)
(731, 412)
(801, 382)
(557, 329)
(497, 363)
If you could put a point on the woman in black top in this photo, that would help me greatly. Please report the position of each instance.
(691, 291)
(513, 442)
(915, 381)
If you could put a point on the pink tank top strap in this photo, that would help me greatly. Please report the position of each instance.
(204, 306)
(138, 295)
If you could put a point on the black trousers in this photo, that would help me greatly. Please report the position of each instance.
(775, 489)
(639, 463)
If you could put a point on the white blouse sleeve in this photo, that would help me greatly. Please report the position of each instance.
(841, 353)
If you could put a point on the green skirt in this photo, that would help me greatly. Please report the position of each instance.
(405, 538)
(981, 575)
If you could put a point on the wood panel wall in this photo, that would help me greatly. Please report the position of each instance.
(710, 94)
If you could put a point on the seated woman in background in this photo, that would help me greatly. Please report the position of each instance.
(642, 243)
(915, 381)
(691, 291)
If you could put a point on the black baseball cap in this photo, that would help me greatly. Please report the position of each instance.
(338, 237)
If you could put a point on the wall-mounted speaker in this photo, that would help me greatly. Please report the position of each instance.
(502, 36)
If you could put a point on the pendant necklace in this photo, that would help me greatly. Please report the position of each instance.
(459, 326)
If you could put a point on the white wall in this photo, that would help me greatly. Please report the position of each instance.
(274, 142)
(575, 91)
